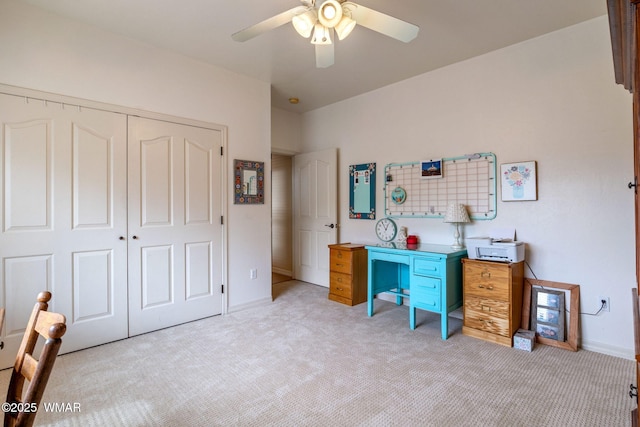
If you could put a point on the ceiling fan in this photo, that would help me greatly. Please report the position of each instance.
(330, 18)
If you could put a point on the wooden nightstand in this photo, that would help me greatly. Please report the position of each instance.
(348, 273)
(492, 293)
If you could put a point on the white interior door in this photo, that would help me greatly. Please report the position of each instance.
(315, 214)
(63, 191)
(175, 231)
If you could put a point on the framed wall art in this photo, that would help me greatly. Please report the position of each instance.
(248, 182)
(519, 181)
(362, 191)
(541, 308)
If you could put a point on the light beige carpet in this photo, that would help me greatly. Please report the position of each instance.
(306, 361)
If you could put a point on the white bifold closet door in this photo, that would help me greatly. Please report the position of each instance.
(63, 191)
(175, 229)
(118, 216)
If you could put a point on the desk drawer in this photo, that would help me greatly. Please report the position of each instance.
(382, 256)
(425, 301)
(341, 261)
(427, 267)
(340, 284)
(489, 307)
(420, 284)
(486, 322)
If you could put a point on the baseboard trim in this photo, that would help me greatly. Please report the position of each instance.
(253, 304)
(282, 271)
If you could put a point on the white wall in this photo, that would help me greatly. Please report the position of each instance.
(553, 100)
(286, 131)
(42, 51)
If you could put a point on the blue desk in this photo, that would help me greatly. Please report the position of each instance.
(429, 275)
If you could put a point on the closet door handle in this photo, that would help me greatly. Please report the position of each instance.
(135, 237)
(121, 238)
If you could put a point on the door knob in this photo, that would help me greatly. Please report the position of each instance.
(121, 238)
(634, 185)
(330, 225)
(135, 237)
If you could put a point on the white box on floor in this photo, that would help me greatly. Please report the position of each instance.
(524, 340)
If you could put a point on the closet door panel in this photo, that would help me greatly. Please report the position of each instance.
(175, 246)
(27, 168)
(64, 210)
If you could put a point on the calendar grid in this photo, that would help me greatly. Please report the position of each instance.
(470, 180)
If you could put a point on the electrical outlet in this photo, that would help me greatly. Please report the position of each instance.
(604, 303)
(253, 273)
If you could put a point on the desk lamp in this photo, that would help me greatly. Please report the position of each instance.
(457, 214)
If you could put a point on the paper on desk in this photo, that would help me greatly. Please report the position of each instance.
(504, 234)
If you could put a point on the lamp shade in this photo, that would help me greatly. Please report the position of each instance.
(305, 22)
(330, 13)
(456, 212)
(344, 27)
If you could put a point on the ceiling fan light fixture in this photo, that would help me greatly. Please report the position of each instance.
(321, 35)
(344, 27)
(305, 22)
(330, 13)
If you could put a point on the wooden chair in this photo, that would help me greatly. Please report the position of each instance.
(51, 326)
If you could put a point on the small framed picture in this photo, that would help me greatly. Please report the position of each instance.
(519, 181)
(431, 169)
(548, 313)
(548, 331)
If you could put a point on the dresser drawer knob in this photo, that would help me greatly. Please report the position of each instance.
(339, 265)
(339, 255)
(489, 288)
(339, 279)
(486, 308)
(485, 273)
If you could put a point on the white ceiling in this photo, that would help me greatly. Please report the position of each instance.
(450, 31)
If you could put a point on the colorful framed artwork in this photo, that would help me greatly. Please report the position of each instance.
(362, 191)
(430, 169)
(248, 182)
(519, 181)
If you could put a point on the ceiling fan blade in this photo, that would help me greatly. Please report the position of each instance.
(324, 55)
(382, 23)
(268, 24)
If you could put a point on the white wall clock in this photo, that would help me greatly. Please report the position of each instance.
(386, 229)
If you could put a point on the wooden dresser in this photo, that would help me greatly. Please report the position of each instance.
(492, 293)
(348, 273)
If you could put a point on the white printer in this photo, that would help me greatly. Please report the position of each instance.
(500, 246)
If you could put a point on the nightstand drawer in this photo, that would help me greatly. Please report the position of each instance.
(340, 284)
(427, 267)
(341, 261)
(486, 322)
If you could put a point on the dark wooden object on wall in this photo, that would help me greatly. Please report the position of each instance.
(624, 17)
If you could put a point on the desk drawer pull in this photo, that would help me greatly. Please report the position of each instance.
(485, 273)
(486, 308)
(489, 288)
